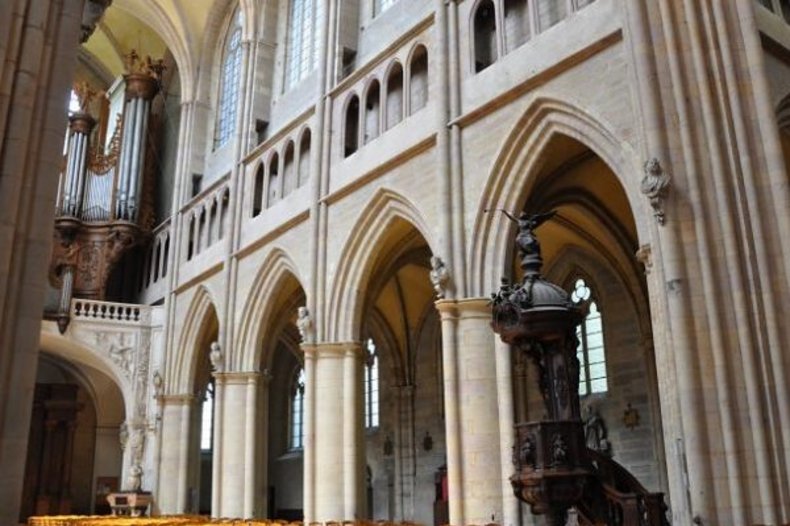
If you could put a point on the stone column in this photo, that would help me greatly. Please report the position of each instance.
(38, 47)
(172, 489)
(406, 451)
(338, 476)
(472, 412)
(234, 472)
(309, 423)
(504, 376)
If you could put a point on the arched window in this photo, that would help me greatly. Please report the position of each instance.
(372, 112)
(394, 96)
(296, 433)
(418, 80)
(274, 180)
(289, 169)
(74, 103)
(257, 193)
(191, 243)
(229, 83)
(351, 133)
(302, 43)
(590, 350)
(207, 418)
(485, 35)
(371, 385)
(304, 158)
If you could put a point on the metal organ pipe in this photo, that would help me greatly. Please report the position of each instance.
(123, 166)
(68, 192)
(136, 181)
(81, 172)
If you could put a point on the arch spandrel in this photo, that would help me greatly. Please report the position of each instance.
(172, 26)
(518, 167)
(181, 365)
(374, 226)
(73, 351)
(259, 311)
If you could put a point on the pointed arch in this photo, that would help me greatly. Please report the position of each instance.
(260, 309)
(170, 27)
(517, 168)
(181, 366)
(74, 351)
(565, 267)
(357, 260)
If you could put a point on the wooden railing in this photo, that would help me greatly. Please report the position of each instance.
(618, 498)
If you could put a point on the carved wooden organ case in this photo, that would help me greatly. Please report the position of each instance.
(105, 203)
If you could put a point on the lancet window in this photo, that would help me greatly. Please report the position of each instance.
(207, 418)
(590, 350)
(302, 45)
(229, 83)
(296, 432)
(371, 385)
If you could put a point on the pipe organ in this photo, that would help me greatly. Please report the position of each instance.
(105, 203)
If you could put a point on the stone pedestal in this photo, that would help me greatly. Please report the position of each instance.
(130, 503)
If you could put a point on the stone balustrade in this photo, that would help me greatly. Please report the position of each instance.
(89, 310)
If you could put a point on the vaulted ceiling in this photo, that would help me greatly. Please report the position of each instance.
(152, 27)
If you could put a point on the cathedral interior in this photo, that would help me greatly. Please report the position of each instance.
(250, 251)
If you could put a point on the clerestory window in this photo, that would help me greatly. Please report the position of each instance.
(302, 43)
(229, 83)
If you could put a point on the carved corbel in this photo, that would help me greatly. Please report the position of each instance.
(91, 14)
(655, 185)
(645, 256)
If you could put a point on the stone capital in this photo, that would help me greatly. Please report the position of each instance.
(464, 308)
(338, 350)
(177, 399)
(237, 377)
